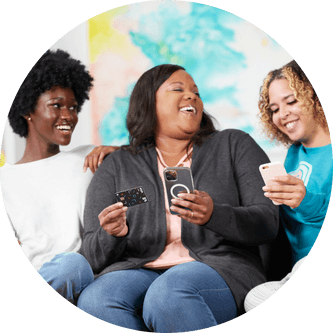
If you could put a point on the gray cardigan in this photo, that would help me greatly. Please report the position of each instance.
(226, 166)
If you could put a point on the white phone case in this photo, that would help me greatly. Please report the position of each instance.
(270, 170)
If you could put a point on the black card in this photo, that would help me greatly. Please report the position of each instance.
(132, 197)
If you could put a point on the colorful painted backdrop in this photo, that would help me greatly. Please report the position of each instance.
(227, 57)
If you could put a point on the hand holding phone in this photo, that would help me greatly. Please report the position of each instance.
(177, 180)
(271, 170)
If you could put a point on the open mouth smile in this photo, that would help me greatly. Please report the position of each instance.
(65, 128)
(290, 125)
(188, 110)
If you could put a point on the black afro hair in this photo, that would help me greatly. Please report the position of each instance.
(54, 68)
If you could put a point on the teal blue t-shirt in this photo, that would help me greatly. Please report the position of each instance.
(302, 224)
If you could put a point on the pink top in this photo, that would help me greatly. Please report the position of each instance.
(174, 252)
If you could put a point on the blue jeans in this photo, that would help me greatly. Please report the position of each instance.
(68, 273)
(186, 297)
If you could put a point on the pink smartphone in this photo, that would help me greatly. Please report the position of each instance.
(270, 170)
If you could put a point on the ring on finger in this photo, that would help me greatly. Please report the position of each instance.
(192, 215)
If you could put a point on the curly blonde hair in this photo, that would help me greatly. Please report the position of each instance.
(304, 93)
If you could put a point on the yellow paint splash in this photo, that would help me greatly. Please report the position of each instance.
(2, 159)
(264, 42)
(103, 37)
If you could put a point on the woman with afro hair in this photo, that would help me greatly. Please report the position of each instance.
(291, 114)
(44, 192)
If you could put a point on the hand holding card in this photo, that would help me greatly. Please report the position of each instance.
(113, 220)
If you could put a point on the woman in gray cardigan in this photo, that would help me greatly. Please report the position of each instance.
(156, 271)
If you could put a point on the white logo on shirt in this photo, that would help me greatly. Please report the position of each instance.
(303, 172)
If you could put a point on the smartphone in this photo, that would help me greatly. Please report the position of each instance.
(270, 170)
(132, 197)
(177, 180)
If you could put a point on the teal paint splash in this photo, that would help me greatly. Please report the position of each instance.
(199, 40)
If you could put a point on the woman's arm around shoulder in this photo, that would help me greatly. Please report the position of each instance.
(95, 158)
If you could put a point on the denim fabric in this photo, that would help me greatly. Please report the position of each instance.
(68, 273)
(186, 297)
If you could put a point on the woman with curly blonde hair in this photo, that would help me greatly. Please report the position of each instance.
(303, 93)
(291, 114)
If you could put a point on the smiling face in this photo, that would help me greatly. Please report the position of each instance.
(179, 107)
(54, 118)
(288, 116)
